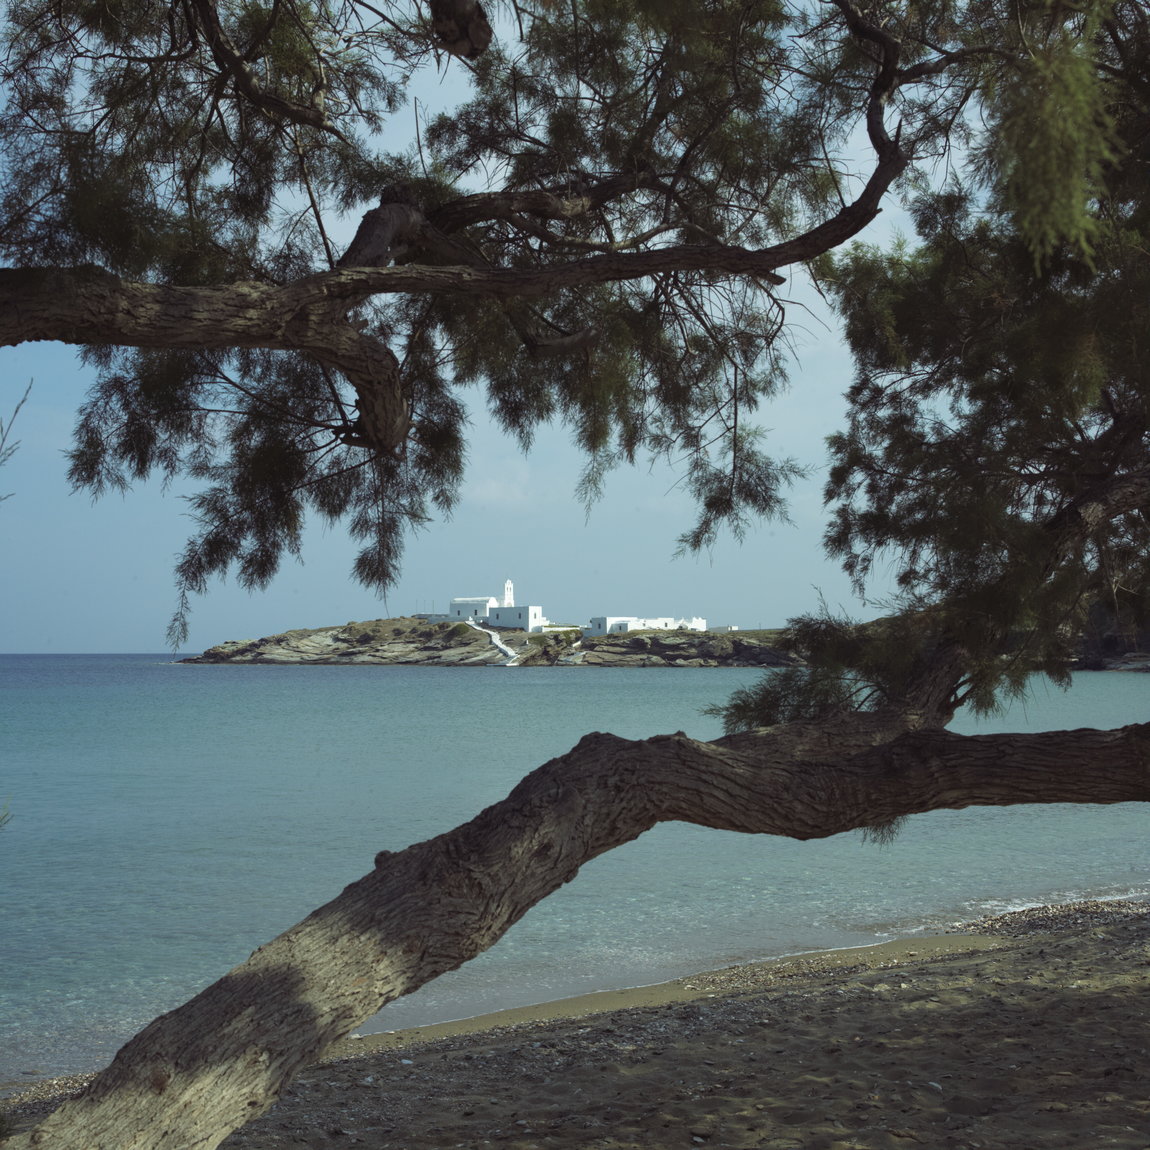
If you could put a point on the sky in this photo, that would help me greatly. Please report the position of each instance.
(78, 576)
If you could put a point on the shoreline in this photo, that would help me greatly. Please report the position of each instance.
(1017, 1029)
(686, 988)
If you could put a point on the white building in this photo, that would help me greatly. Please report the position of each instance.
(490, 611)
(621, 624)
(475, 607)
(505, 614)
(517, 618)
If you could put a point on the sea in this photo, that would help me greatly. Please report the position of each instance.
(167, 819)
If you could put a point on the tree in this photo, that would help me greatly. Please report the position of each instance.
(616, 277)
(8, 446)
(171, 176)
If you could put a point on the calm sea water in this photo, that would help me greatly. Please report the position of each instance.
(168, 819)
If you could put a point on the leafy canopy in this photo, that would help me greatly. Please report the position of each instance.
(996, 450)
(647, 150)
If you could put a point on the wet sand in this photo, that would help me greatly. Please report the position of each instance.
(1024, 1031)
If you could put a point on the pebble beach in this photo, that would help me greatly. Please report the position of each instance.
(1025, 1030)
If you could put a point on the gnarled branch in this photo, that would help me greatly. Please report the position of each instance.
(88, 305)
(197, 1073)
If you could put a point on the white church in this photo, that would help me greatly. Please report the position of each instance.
(489, 610)
(504, 614)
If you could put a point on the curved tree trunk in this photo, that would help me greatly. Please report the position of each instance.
(195, 1074)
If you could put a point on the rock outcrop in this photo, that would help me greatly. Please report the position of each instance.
(412, 641)
(681, 649)
(378, 641)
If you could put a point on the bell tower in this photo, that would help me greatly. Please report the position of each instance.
(508, 595)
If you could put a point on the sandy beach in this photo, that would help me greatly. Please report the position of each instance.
(1027, 1030)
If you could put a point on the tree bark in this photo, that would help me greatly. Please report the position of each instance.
(194, 1075)
(382, 233)
(87, 305)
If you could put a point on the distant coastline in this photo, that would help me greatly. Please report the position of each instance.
(415, 641)
(412, 641)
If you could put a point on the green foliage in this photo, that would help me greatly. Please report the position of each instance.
(1053, 134)
(995, 401)
(220, 141)
(988, 400)
(848, 667)
(173, 412)
(633, 90)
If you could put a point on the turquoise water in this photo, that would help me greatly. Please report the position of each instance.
(168, 819)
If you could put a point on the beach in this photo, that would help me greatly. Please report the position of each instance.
(1022, 1030)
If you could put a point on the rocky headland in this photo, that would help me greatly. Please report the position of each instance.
(417, 642)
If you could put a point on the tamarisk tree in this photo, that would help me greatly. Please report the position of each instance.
(598, 235)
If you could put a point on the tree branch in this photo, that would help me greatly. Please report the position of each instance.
(197, 1073)
(232, 64)
(616, 266)
(570, 201)
(87, 305)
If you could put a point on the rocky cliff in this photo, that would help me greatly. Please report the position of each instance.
(681, 649)
(417, 642)
(386, 641)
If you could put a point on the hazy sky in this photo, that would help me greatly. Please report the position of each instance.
(78, 576)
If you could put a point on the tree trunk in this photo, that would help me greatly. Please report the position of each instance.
(195, 1074)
